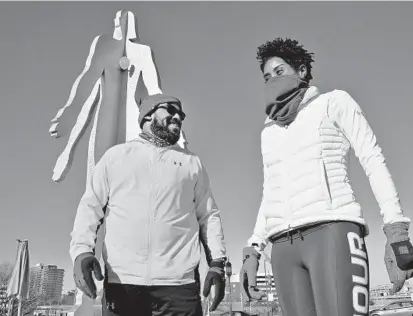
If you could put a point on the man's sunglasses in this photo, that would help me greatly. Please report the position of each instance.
(172, 110)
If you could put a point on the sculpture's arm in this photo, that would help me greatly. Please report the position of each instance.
(149, 72)
(64, 161)
(83, 84)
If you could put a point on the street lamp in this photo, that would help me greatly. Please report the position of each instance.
(228, 272)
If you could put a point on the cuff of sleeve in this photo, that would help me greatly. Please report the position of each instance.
(218, 256)
(392, 213)
(219, 263)
(396, 232)
(405, 221)
(75, 252)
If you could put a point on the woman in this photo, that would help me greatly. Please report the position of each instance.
(308, 210)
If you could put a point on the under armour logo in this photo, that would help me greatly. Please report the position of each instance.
(403, 250)
(359, 112)
(110, 305)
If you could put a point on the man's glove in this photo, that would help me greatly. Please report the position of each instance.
(249, 270)
(84, 264)
(398, 255)
(216, 277)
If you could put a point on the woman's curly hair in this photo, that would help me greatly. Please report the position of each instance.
(288, 49)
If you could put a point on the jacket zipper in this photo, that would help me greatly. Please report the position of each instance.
(324, 179)
(150, 215)
(288, 196)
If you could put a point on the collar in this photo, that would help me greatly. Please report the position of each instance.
(311, 93)
(154, 140)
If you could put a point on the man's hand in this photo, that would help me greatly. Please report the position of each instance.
(84, 264)
(249, 270)
(398, 255)
(216, 277)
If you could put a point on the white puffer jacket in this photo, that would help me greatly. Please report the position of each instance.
(305, 168)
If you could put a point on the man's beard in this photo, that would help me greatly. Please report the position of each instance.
(160, 129)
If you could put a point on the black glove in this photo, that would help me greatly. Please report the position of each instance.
(84, 264)
(398, 254)
(249, 270)
(216, 277)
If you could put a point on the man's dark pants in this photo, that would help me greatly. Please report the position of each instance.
(137, 300)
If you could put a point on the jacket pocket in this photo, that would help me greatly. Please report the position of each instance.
(324, 181)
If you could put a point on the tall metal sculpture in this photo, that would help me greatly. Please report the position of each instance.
(105, 91)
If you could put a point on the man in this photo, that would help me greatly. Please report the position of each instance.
(156, 200)
(308, 211)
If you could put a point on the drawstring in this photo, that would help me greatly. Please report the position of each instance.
(300, 231)
(290, 236)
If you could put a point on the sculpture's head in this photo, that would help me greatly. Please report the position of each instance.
(126, 25)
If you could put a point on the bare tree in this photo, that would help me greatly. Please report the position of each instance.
(6, 269)
(28, 305)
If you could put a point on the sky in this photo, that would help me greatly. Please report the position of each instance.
(205, 53)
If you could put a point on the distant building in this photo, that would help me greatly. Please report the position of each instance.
(46, 281)
(380, 291)
(60, 310)
(264, 284)
(381, 295)
(69, 298)
(235, 289)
